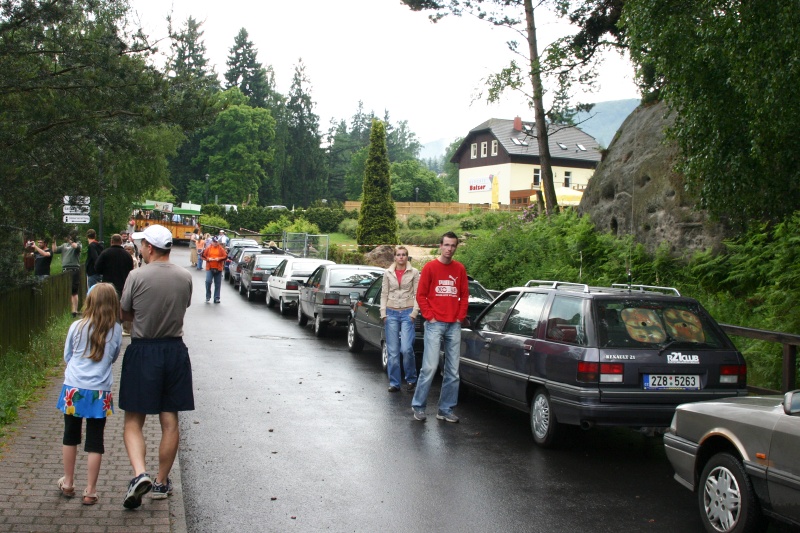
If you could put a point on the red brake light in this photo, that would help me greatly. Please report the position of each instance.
(291, 286)
(257, 278)
(587, 372)
(735, 374)
(611, 368)
(330, 299)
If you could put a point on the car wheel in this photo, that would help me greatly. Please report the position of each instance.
(302, 319)
(354, 342)
(544, 426)
(384, 356)
(241, 288)
(319, 326)
(726, 497)
(282, 307)
(270, 301)
(251, 295)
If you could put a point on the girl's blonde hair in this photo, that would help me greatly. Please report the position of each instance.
(101, 312)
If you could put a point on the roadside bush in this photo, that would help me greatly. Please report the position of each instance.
(348, 226)
(345, 255)
(437, 217)
(326, 218)
(429, 222)
(470, 224)
(414, 222)
(421, 237)
(213, 222)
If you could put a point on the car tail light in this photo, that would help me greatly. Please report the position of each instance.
(291, 286)
(733, 374)
(611, 372)
(257, 277)
(587, 372)
(330, 299)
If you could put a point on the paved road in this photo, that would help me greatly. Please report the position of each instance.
(292, 432)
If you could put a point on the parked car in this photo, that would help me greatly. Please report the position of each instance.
(232, 248)
(237, 262)
(742, 458)
(257, 271)
(325, 297)
(284, 283)
(567, 353)
(365, 324)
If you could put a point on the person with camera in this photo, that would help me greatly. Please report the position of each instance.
(41, 258)
(214, 256)
(71, 262)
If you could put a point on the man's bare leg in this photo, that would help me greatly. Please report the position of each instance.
(168, 449)
(134, 441)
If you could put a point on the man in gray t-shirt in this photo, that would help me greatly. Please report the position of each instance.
(71, 263)
(156, 370)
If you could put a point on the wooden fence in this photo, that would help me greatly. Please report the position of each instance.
(789, 342)
(28, 310)
(404, 209)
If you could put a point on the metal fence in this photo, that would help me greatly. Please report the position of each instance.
(28, 310)
(306, 245)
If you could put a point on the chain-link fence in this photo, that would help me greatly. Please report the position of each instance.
(306, 245)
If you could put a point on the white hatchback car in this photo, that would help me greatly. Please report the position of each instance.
(284, 283)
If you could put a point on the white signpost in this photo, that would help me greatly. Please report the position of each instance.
(76, 219)
(76, 209)
(77, 200)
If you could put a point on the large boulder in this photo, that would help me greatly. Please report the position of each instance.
(635, 189)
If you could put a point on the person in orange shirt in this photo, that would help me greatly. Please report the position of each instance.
(214, 256)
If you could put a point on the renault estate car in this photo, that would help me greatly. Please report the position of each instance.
(569, 353)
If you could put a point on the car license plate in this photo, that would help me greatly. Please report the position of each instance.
(671, 382)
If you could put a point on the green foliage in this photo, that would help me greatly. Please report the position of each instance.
(377, 223)
(735, 126)
(346, 255)
(411, 181)
(277, 226)
(213, 221)
(326, 218)
(22, 374)
(301, 225)
(421, 237)
(349, 227)
(246, 73)
(470, 224)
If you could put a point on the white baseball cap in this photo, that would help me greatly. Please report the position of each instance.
(157, 235)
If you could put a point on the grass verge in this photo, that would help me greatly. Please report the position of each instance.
(23, 374)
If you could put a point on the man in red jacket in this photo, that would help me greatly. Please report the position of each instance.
(443, 298)
(214, 256)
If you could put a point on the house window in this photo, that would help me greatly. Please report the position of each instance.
(494, 148)
(567, 179)
(474, 151)
(484, 146)
(537, 177)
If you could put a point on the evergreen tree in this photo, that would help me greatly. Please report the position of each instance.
(377, 220)
(245, 72)
(304, 176)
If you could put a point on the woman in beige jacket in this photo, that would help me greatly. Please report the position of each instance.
(399, 310)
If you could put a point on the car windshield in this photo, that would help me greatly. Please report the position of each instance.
(653, 323)
(352, 278)
(268, 261)
(477, 294)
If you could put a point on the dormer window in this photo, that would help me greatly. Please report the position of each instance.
(581, 147)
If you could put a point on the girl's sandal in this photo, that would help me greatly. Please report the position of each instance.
(89, 499)
(68, 492)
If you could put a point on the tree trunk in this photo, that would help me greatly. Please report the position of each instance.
(551, 203)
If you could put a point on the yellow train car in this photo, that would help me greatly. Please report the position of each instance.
(181, 222)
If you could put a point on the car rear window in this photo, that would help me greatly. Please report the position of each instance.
(267, 261)
(352, 278)
(646, 323)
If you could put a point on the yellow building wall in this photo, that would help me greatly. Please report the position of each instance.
(511, 177)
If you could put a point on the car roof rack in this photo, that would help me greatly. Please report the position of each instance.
(557, 284)
(642, 288)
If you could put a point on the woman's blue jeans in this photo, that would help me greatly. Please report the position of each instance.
(400, 343)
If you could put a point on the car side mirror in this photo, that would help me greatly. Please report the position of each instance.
(791, 402)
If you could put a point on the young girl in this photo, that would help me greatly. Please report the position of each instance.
(92, 345)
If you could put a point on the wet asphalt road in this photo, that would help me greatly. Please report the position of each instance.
(294, 433)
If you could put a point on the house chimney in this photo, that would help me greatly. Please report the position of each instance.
(517, 124)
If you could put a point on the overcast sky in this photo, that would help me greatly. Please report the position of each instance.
(376, 51)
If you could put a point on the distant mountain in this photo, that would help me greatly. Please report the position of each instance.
(605, 118)
(602, 123)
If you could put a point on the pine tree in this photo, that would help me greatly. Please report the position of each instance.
(377, 220)
(245, 72)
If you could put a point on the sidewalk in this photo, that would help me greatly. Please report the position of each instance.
(30, 466)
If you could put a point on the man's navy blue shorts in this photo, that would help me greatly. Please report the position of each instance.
(156, 377)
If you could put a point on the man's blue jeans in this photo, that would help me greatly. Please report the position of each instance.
(216, 277)
(448, 336)
(400, 343)
(92, 280)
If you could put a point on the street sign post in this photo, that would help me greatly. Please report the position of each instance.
(76, 209)
(77, 200)
(76, 219)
